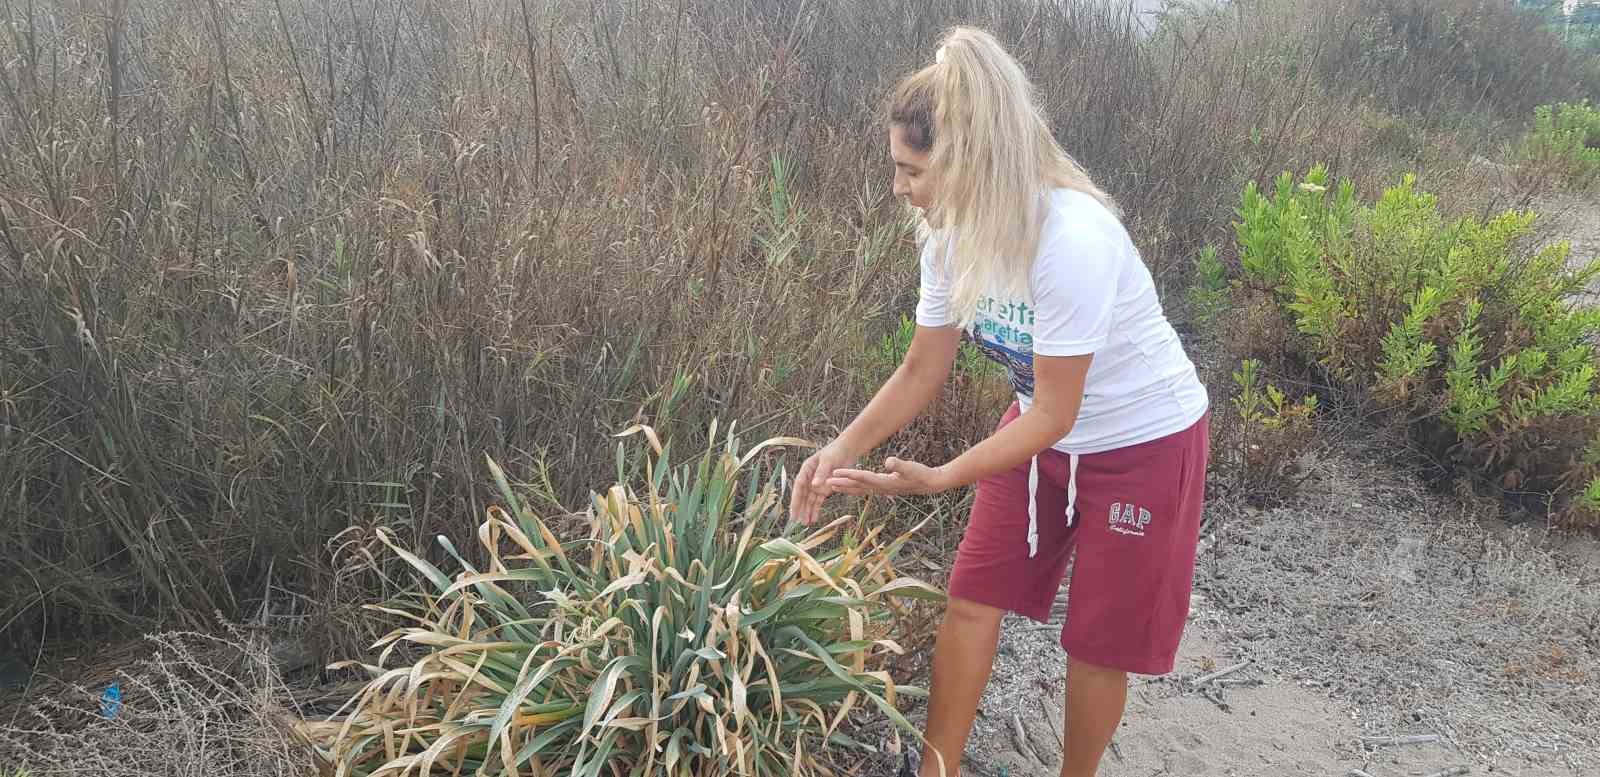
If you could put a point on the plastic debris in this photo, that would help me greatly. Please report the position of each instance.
(111, 700)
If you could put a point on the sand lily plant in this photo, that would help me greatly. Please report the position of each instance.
(692, 632)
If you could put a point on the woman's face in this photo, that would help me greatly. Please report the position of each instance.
(913, 181)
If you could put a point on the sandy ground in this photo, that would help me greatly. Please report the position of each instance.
(1281, 727)
(1574, 218)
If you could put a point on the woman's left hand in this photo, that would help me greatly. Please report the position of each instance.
(899, 478)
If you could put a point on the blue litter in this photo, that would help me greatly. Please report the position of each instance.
(111, 700)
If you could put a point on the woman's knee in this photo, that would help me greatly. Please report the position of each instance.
(970, 613)
(1087, 670)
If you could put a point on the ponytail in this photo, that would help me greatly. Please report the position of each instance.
(974, 112)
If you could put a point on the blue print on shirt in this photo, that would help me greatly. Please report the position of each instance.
(1003, 332)
(1019, 365)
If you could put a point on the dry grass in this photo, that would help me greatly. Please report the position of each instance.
(281, 273)
(199, 706)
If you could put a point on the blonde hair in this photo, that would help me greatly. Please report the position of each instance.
(995, 158)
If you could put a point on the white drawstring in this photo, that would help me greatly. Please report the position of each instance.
(1033, 507)
(1072, 486)
(1033, 499)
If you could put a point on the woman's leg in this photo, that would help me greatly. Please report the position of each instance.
(996, 570)
(963, 657)
(1095, 700)
(1137, 529)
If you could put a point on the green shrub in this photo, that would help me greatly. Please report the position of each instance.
(1208, 296)
(1262, 449)
(1564, 144)
(1473, 347)
(673, 640)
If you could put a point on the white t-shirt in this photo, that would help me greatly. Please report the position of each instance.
(1091, 293)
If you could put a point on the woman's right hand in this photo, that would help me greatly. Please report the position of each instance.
(811, 484)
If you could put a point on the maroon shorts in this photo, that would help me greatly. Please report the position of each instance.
(1135, 522)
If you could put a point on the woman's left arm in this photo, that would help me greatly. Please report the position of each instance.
(1058, 393)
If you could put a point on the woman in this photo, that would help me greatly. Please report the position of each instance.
(1104, 450)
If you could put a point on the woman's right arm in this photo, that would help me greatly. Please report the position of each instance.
(902, 398)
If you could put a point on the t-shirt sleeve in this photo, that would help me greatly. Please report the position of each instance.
(933, 300)
(1075, 291)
